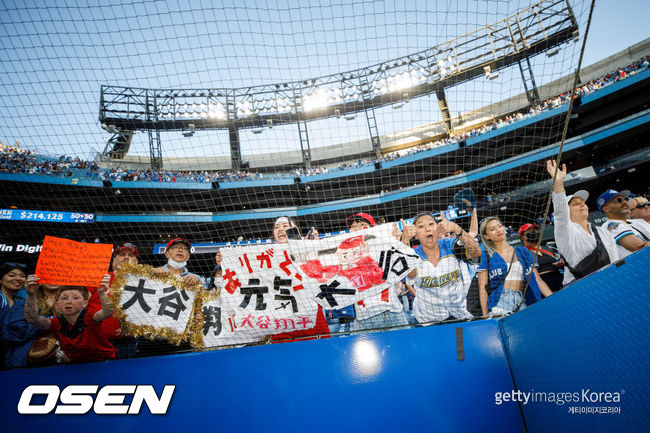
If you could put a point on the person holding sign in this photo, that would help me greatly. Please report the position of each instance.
(16, 335)
(383, 309)
(126, 346)
(22, 341)
(439, 279)
(78, 329)
(178, 252)
(281, 226)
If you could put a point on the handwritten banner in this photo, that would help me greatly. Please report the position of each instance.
(270, 289)
(157, 306)
(63, 261)
(345, 269)
(263, 292)
(224, 327)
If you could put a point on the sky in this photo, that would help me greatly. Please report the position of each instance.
(53, 60)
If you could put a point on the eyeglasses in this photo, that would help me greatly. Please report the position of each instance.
(642, 205)
(127, 245)
(16, 265)
(620, 199)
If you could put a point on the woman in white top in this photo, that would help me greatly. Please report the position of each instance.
(507, 276)
(574, 235)
(439, 278)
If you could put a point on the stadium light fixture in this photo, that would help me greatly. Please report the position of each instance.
(487, 70)
(317, 99)
(489, 74)
(467, 54)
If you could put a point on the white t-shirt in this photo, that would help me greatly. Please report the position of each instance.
(573, 242)
(440, 291)
(620, 229)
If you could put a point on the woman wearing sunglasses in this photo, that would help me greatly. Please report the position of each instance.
(639, 208)
(507, 276)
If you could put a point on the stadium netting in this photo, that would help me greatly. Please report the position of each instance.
(163, 119)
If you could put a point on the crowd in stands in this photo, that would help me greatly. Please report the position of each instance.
(16, 160)
(459, 273)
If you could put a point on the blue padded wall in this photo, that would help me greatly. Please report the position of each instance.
(404, 380)
(593, 335)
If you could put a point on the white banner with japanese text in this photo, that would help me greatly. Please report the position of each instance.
(155, 306)
(263, 293)
(272, 289)
(348, 268)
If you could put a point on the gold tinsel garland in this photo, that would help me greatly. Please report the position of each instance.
(193, 332)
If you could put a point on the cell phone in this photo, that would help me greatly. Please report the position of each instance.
(293, 233)
(310, 233)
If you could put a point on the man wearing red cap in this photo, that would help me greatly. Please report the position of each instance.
(110, 327)
(123, 253)
(178, 252)
(359, 221)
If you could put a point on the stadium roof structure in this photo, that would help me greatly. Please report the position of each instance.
(539, 28)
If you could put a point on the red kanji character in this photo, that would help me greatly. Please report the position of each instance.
(247, 320)
(232, 323)
(297, 286)
(265, 257)
(284, 323)
(304, 322)
(263, 322)
(285, 265)
(233, 283)
(248, 265)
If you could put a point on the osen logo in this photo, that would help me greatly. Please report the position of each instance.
(80, 399)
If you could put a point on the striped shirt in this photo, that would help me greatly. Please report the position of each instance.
(572, 241)
(440, 291)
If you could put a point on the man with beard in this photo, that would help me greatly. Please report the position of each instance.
(630, 235)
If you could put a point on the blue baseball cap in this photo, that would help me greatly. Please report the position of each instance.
(605, 197)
